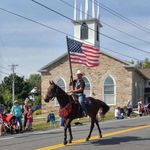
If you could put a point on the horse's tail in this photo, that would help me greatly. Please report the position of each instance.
(104, 107)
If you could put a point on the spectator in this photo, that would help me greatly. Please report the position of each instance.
(17, 112)
(129, 108)
(140, 108)
(61, 122)
(25, 111)
(2, 108)
(118, 114)
(2, 126)
(29, 118)
(51, 119)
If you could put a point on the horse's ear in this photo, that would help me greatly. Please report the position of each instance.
(53, 82)
(50, 82)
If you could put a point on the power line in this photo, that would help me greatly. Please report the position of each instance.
(51, 28)
(31, 20)
(138, 26)
(147, 42)
(120, 53)
(90, 28)
(4, 73)
(70, 5)
(4, 68)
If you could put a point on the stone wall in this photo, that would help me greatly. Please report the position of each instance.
(108, 66)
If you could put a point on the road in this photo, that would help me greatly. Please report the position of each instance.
(127, 134)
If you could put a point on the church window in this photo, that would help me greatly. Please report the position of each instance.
(84, 31)
(109, 91)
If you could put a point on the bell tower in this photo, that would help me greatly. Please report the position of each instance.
(87, 27)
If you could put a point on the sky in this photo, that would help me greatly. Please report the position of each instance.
(32, 46)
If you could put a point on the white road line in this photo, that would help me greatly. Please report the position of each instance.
(7, 138)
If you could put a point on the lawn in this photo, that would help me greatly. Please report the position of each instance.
(41, 124)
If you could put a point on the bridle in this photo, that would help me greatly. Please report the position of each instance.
(54, 93)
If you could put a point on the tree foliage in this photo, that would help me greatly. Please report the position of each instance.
(22, 89)
(143, 64)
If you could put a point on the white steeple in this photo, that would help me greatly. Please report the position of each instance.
(86, 8)
(75, 10)
(93, 8)
(98, 14)
(86, 29)
(81, 11)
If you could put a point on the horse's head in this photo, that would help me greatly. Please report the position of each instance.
(51, 92)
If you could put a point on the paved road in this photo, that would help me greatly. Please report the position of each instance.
(127, 134)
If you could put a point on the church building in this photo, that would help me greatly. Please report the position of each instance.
(114, 81)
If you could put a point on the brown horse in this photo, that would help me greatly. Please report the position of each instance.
(93, 106)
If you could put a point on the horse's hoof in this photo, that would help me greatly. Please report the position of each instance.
(65, 142)
(87, 139)
(100, 136)
(70, 141)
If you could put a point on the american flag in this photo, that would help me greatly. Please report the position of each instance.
(81, 53)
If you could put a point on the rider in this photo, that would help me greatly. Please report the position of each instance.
(78, 90)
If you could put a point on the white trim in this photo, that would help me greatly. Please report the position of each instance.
(105, 77)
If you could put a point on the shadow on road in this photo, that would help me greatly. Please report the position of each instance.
(118, 140)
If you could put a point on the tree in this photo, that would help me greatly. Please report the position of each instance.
(22, 89)
(35, 81)
(146, 63)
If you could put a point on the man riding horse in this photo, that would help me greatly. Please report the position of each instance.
(78, 95)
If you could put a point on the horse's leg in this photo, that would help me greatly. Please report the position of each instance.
(65, 131)
(91, 129)
(70, 132)
(100, 133)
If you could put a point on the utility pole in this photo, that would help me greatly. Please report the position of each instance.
(13, 66)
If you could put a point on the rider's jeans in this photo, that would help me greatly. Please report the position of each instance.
(80, 97)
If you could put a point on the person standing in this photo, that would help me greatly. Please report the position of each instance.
(29, 118)
(78, 90)
(140, 108)
(25, 111)
(129, 108)
(2, 127)
(17, 112)
(2, 108)
(51, 119)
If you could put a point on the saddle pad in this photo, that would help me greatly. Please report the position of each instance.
(65, 111)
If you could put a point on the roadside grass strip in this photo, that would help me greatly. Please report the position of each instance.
(75, 142)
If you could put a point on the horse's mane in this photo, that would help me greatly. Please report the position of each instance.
(62, 97)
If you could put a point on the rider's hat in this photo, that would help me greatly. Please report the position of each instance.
(79, 72)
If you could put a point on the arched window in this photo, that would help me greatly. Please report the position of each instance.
(60, 82)
(109, 91)
(84, 31)
(87, 89)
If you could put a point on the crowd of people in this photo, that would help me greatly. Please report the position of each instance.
(23, 117)
(120, 113)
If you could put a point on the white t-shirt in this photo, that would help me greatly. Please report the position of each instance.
(117, 112)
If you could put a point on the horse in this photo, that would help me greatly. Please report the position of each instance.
(65, 100)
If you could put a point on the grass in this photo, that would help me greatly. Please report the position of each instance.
(43, 125)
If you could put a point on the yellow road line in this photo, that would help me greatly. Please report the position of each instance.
(53, 147)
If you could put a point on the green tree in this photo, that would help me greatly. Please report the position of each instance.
(22, 89)
(35, 81)
(146, 63)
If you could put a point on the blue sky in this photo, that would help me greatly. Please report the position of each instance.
(32, 46)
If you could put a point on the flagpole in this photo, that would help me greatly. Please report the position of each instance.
(70, 66)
